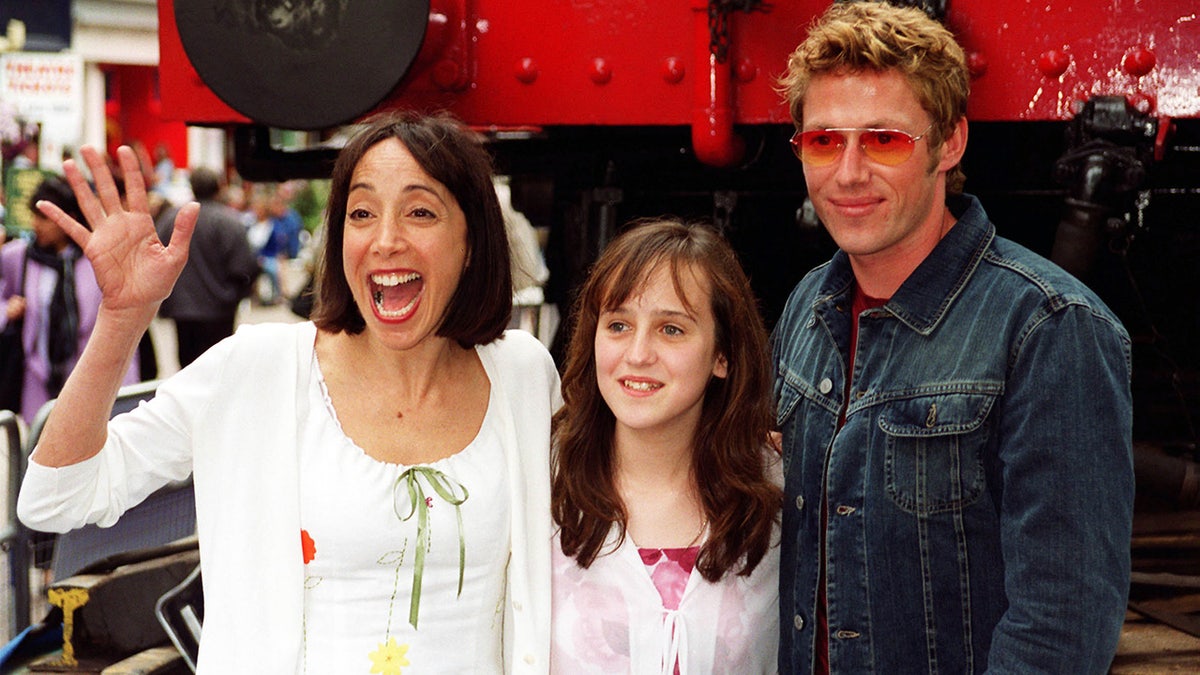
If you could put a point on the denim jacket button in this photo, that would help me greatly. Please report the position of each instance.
(799, 502)
(825, 386)
(798, 622)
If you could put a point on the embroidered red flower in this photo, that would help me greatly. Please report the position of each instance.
(308, 546)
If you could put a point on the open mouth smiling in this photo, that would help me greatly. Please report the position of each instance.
(395, 296)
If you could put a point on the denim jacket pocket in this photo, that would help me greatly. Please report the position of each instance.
(788, 398)
(803, 412)
(935, 443)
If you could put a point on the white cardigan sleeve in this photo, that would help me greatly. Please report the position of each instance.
(146, 448)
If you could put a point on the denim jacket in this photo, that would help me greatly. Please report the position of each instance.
(980, 493)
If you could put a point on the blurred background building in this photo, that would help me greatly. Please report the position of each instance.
(86, 71)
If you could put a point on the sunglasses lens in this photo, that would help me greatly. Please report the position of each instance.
(887, 147)
(818, 147)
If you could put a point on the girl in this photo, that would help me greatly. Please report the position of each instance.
(665, 496)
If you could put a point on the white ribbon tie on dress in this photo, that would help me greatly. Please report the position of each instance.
(674, 642)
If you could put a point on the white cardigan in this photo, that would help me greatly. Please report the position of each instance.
(229, 419)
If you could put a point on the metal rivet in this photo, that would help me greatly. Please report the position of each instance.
(1053, 63)
(527, 70)
(673, 70)
(601, 72)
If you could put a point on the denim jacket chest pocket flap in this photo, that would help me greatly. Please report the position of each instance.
(935, 445)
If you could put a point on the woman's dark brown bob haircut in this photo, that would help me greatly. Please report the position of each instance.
(454, 156)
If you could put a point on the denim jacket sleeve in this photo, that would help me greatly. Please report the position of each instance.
(1065, 435)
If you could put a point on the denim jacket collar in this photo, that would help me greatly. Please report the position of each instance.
(925, 296)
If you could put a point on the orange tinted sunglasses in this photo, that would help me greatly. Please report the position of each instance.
(822, 147)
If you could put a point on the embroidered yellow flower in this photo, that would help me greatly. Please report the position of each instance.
(389, 658)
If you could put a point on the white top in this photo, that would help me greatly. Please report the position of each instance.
(360, 556)
(610, 618)
(229, 419)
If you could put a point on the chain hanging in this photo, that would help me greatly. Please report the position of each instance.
(718, 22)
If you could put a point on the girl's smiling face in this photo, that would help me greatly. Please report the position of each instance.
(655, 354)
(404, 245)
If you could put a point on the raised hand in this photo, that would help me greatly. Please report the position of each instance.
(133, 268)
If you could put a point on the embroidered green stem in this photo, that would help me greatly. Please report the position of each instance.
(444, 486)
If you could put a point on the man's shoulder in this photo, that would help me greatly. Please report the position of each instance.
(217, 211)
(1029, 287)
(1036, 273)
(809, 287)
(289, 220)
(219, 220)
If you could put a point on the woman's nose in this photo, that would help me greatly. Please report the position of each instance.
(389, 236)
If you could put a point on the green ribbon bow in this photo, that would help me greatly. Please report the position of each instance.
(444, 486)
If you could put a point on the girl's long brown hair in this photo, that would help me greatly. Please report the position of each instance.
(740, 501)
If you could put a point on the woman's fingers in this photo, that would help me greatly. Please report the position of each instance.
(103, 199)
(135, 184)
(88, 204)
(106, 188)
(185, 225)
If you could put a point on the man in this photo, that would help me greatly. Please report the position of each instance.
(220, 271)
(283, 244)
(955, 409)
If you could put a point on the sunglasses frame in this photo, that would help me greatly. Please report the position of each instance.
(797, 148)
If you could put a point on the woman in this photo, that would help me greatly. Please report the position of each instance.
(666, 499)
(49, 284)
(372, 489)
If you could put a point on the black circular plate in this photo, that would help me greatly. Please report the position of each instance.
(301, 64)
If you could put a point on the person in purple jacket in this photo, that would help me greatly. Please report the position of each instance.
(47, 282)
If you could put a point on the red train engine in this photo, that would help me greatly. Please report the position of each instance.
(1085, 135)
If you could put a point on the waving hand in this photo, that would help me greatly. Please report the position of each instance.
(134, 270)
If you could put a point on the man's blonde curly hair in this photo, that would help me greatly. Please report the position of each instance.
(874, 36)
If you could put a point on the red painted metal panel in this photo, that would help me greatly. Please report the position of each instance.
(184, 96)
(1042, 56)
(634, 62)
